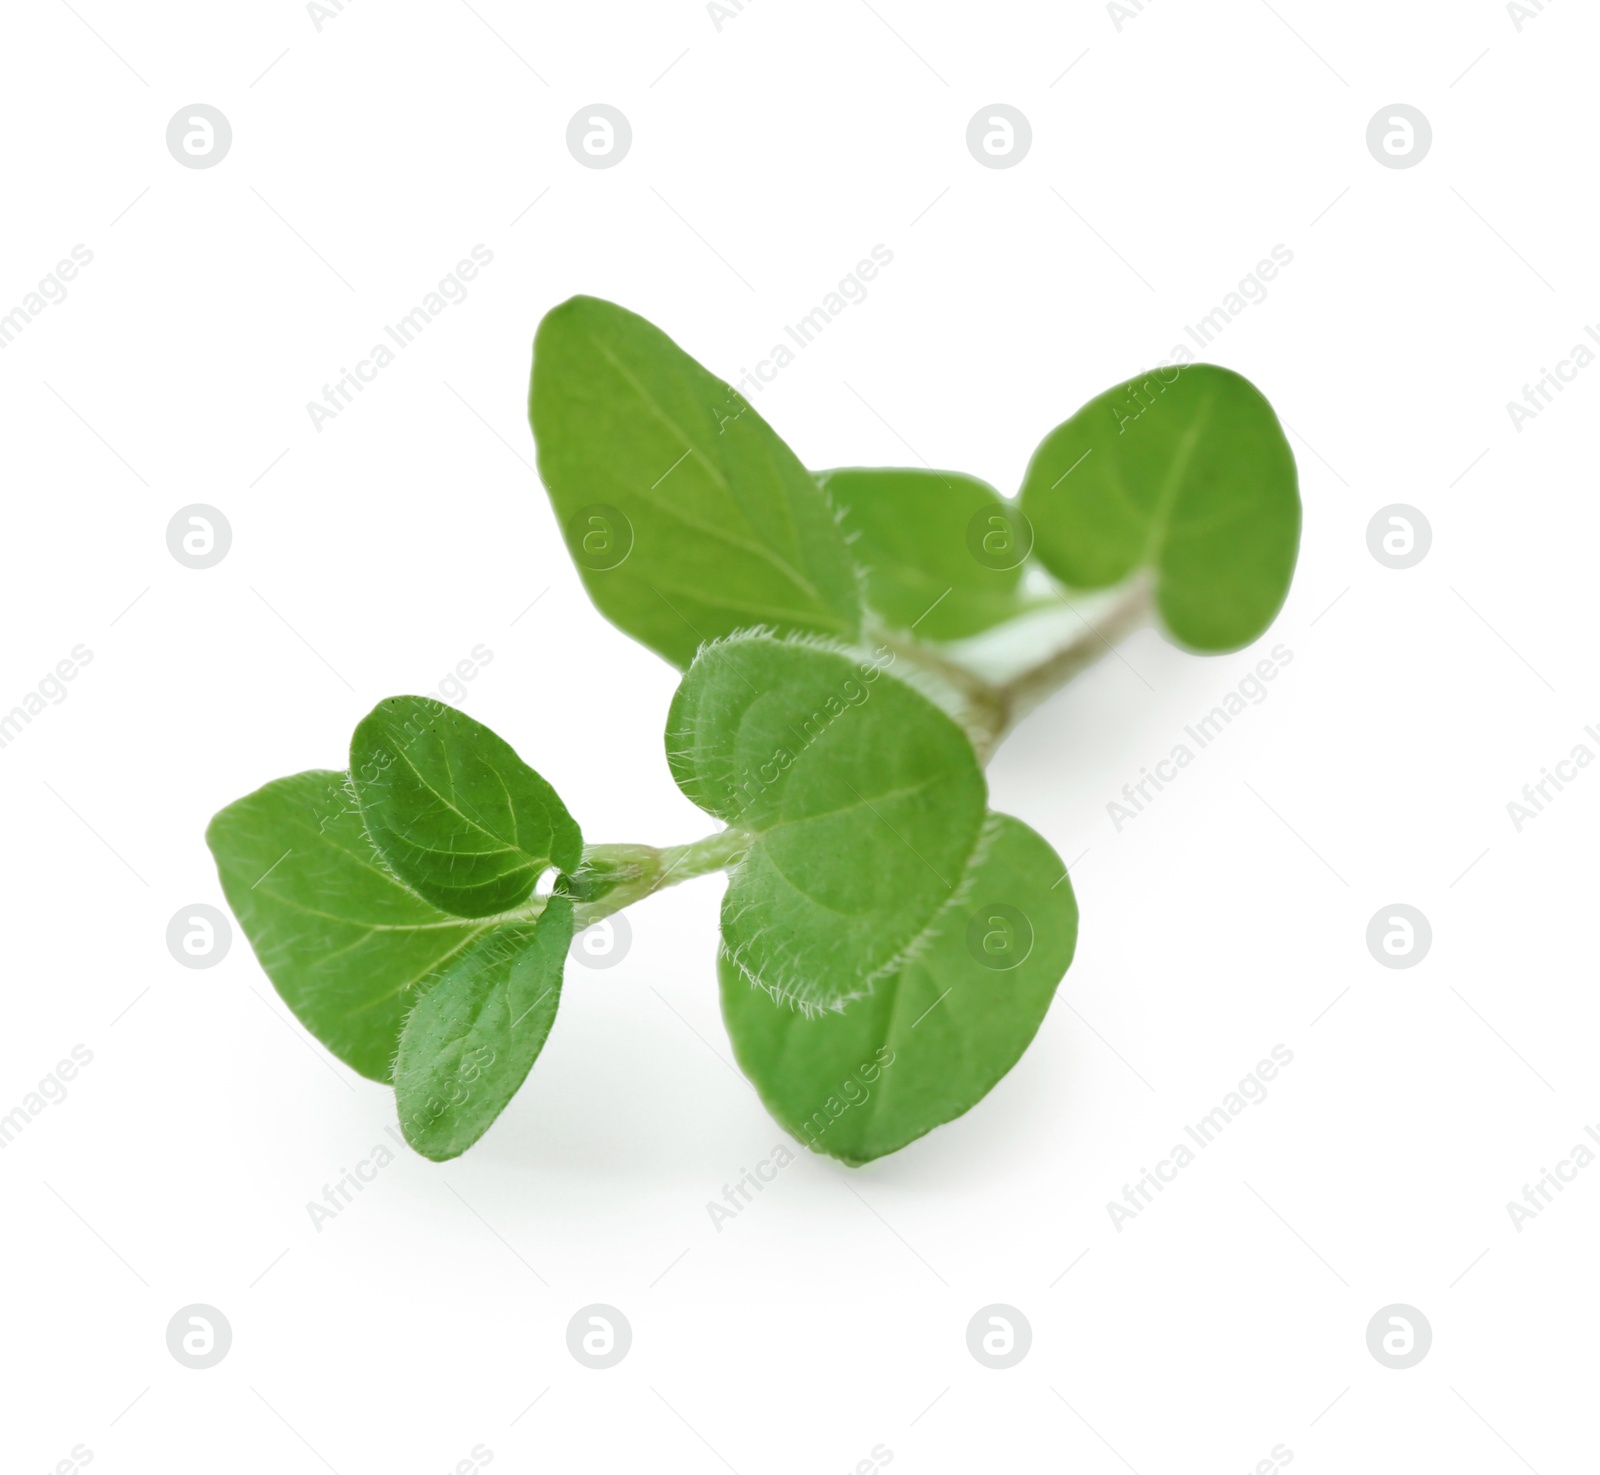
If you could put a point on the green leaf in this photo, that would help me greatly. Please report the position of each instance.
(474, 1035)
(932, 1038)
(343, 940)
(458, 815)
(1186, 472)
(863, 800)
(687, 516)
(940, 550)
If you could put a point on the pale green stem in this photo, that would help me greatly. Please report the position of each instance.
(981, 708)
(1025, 691)
(989, 710)
(616, 876)
(620, 875)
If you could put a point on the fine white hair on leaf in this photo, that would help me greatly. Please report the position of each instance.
(777, 975)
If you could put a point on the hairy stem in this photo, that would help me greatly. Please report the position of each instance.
(981, 710)
(1025, 691)
(615, 876)
(612, 877)
(989, 710)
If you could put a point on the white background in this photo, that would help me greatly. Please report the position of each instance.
(1168, 157)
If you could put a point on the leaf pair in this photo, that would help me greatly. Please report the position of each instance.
(863, 800)
(889, 946)
(937, 1032)
(393, 908)
(941, 554)
(690, 519)
(872, 853)
(687, 516)
(1185, 472)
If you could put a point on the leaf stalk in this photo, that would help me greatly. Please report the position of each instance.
(612, 877)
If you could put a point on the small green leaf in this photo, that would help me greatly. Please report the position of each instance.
(687, 516)
(458, 815)
(938, 548)
(863, 801)
(1186, 472)
(343, 940)
(932, 1038)
(475, 1033)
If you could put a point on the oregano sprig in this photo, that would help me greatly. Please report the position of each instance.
(849, 645)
